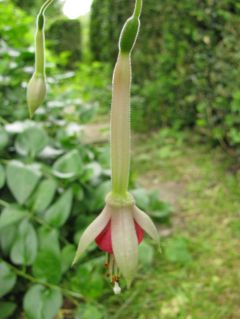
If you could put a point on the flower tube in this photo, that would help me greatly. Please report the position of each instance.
(36, 89)
(120, 227)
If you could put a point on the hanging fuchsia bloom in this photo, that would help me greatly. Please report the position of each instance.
(120, 227)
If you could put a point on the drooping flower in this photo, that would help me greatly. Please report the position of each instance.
(118, 230)
(120, 227)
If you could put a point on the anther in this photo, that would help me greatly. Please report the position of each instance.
(116, 288)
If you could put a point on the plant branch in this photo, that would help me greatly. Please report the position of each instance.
(66, 292)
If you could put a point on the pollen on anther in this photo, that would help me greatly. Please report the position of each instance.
(116, 289)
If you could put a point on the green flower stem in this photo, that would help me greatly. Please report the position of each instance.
(120, 125)
(120, 109)
(45, 6)
(138, 9)
(40, 40)
(66, 292)
(40, 55)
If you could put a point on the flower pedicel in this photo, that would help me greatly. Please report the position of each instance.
(120, 227)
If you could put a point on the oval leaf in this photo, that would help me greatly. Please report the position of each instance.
(67, 256)
(42, 303)
(2, 176)
(24, 249)
(7, 237)
(7, 309)
(7, 278)
(22, 180)
(58, 213)
(3, 138)
(31, 141)
(10, 215)
(68, 166)
(44, 195)
(47, 266)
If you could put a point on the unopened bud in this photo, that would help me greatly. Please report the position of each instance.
(36, 92)
(129, 35)
(130, 30)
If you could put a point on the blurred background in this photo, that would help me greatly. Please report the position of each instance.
(54, 170)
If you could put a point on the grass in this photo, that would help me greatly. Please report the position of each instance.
(198, 274)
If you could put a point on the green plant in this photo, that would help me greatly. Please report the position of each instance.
(51, 187)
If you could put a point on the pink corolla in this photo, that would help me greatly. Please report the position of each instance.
(118, 230)
(120, 227)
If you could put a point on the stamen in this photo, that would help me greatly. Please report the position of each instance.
(113, 273)
(117, 289)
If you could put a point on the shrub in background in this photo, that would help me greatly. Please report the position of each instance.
(187, 66)
(65, 36)
(51, 187)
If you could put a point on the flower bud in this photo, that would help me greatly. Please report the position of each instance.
(36, 89)
(129, 35)
(36, 92)
(130, 30)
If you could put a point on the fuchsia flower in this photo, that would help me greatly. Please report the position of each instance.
(120, 227)
(118, 230)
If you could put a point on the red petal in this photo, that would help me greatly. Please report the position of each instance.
(104, 239)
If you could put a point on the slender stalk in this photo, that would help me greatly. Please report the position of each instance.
(40, 40)
(45, 6)
(32, 279)
(138, 8)
(120, 125)
(40, 53)
(120, 109)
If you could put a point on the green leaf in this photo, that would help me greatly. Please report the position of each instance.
(177, 251)
(158, 209)
(2, 176)
(44, 195)
(47, 266)
(7, 309)
(142, 198)
(146, 254)
(88, 281)
(49, 238)
(68, 166)
(88, 312)
(24, 249)
(58, 213)
(10, 215)
(98, 198)
(3, 138)
(7, 279)
(42, 303)
(22, 180)
(92, 171)
(67, 256)
(7, 237)
(31, 141)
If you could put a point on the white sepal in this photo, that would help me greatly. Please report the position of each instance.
(124, 242)
(146, 223)
(93, 230)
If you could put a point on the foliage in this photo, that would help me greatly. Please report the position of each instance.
(196, 273)
(66, 42)
(186, 63)
(51, 187)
